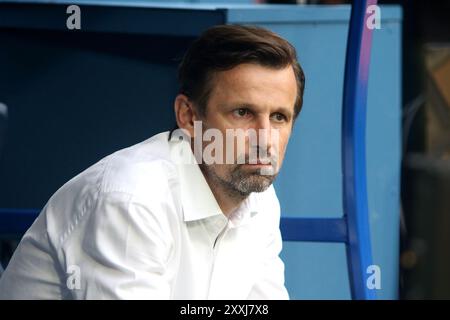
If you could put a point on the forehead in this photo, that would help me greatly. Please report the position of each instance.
(256, 84)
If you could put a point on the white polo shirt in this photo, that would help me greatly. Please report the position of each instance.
(139, 225)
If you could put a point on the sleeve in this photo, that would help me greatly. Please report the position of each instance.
(270, 283)
(123, 251)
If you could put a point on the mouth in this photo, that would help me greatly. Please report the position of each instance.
(258, 161)
(257, 165)
(268, 164)
(259, 169)
(262, 167)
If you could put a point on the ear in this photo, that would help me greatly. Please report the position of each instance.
(185, 113)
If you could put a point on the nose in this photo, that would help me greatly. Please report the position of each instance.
(264, 132)
(263, 122)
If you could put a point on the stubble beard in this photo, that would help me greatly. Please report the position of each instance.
(238, 182)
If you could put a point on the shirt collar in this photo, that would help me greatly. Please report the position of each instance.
(197, 199)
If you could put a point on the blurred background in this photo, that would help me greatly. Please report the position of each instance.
(51, 128)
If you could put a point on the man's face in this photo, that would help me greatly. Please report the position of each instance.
(252, 98)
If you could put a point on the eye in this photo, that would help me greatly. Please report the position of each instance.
(279, 117)
(241, 112)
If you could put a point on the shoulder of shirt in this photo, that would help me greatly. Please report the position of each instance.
(143, 171)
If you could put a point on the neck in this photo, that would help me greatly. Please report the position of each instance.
(228, 199)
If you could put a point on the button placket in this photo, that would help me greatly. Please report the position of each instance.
(222, 226)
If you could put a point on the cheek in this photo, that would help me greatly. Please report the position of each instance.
(218, 120)
(282, 145)
(223, 171)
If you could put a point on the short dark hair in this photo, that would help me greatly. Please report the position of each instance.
(224, 47)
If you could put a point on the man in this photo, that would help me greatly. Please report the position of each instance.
(148, 223)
